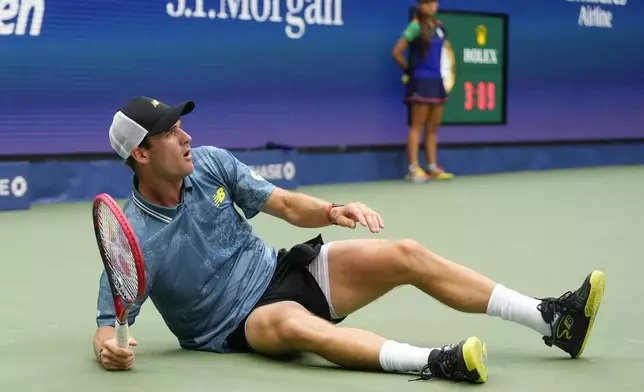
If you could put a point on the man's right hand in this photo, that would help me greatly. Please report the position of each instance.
(114, 357)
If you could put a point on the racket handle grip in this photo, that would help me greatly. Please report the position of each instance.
(122, 335)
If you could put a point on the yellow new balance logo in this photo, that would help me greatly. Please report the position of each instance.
(563, 330)
(219, 196)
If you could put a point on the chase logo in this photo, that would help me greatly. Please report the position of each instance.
(274, 171)
(219, 196)
(481, 35)
(13, 187)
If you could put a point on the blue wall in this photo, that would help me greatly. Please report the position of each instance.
(335, 83)
(23, 184)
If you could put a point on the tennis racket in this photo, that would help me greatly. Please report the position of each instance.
(122, 259)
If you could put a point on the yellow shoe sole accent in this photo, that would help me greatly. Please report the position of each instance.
(475, 356)
(595, 297)
(443, 176)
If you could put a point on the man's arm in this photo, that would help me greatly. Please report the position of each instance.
(299, 209)
(253, 194)
(306, 211)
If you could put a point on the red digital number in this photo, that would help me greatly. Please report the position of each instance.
(485, 96)
(481, 96)
(491, 96)
(469, 96)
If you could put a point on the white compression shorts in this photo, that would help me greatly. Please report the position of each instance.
(319, 268)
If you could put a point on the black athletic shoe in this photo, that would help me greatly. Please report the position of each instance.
(572, 315)
(464, 361)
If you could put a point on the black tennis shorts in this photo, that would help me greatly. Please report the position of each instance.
(291, 281)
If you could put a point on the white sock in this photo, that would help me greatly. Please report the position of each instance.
(512, 306)
(432, 166)
(403, 358)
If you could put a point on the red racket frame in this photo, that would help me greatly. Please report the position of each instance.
(120, 309)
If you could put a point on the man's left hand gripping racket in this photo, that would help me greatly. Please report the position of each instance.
(122, 258)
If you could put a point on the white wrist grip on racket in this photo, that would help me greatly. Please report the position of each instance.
(122, 335)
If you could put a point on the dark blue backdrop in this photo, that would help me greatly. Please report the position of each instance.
(336, 84)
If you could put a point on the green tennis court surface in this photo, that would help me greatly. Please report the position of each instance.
(539, 233)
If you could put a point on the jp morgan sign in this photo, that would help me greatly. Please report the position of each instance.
(297, 15)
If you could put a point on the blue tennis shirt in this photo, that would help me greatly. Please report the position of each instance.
(205, 267)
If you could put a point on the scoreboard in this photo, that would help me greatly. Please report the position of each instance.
(479, 41)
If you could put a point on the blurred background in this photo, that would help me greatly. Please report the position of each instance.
(307, 92)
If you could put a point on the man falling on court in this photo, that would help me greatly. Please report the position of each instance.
(220, 288)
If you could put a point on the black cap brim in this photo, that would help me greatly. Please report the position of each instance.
(171, 116)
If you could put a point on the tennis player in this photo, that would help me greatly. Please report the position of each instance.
(426, 38)
(220, 288)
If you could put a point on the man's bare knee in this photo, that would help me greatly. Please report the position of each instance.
(408, 247)
(413, 258)
(302, 332)
(285, 328)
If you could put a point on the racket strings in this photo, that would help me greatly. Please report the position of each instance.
(119, 256)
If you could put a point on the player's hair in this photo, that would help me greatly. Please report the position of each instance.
(425, 38)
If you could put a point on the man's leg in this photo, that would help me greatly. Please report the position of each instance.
(360, 271)
(286, 327)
